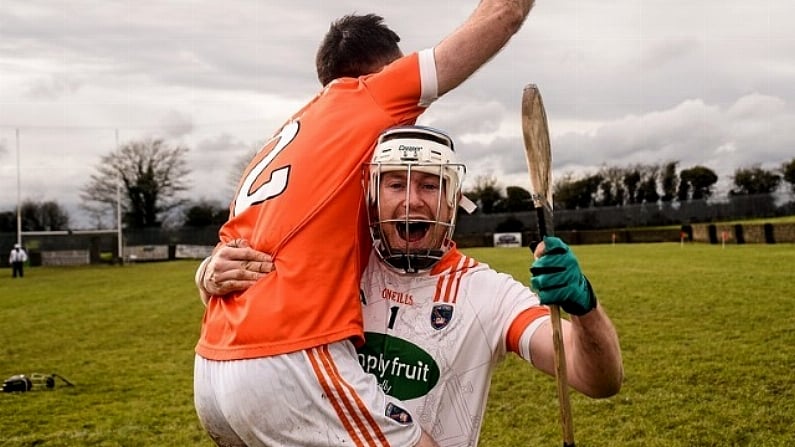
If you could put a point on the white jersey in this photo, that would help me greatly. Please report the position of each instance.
(433, 339)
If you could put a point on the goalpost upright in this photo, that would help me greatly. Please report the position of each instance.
(117, 230)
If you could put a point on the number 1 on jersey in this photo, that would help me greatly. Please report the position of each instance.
(392, 316)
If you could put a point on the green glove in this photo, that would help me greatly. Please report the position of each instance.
(557, 278)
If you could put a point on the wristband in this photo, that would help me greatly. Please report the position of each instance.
(199, 278)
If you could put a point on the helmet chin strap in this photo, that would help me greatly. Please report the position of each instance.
(414, 260)
(414, 263)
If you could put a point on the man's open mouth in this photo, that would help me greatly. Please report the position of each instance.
(413, 231)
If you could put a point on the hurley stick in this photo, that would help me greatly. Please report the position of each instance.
(539, 163)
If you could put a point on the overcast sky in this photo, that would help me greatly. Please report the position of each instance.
(701, 82)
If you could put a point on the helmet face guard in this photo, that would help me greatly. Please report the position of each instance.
(405, 239)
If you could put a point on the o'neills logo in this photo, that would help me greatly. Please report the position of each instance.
(398, 297)
(403, 369)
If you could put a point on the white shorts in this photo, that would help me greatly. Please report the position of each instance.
(317, 397)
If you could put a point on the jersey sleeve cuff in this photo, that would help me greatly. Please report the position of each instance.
(199, 280)
(523, 328)
(428, 80)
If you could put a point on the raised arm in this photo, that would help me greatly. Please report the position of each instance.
(482, 36)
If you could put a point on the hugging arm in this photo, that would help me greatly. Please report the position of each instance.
(233, 267)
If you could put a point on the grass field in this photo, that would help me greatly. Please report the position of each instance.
(708, 336)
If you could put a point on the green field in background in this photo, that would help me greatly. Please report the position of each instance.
(708, 337)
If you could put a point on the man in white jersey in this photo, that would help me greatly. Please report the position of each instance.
(438, 322)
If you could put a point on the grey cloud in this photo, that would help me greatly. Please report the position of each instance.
(219, 152)
(52, 87)
(662, 52)
(753, 130)
(234, 47)
(466, 117)
(176, 124)
(215, 162)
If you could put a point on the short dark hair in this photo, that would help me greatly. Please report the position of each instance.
(356, 45)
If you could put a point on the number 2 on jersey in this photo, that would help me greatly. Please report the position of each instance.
(277, 182)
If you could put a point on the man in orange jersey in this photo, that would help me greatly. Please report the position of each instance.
(276, 364)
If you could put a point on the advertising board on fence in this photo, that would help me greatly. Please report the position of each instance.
(65, 257)
(135, 253)
(184, 251)
(507, 239)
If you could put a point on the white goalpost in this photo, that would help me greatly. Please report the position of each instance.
(117, 231)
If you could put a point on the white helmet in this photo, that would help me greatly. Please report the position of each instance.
(415, 149)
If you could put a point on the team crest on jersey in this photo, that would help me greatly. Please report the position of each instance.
(441, 316)
(398, 414)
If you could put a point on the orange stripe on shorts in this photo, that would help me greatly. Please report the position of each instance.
(321, 378)
(345, 390)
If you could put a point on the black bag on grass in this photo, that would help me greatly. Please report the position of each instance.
(20, 382)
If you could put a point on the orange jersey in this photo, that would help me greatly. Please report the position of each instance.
(301, 199)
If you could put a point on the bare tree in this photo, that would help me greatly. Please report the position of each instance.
(152, 175)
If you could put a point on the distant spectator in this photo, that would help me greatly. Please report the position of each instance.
(17, 259)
